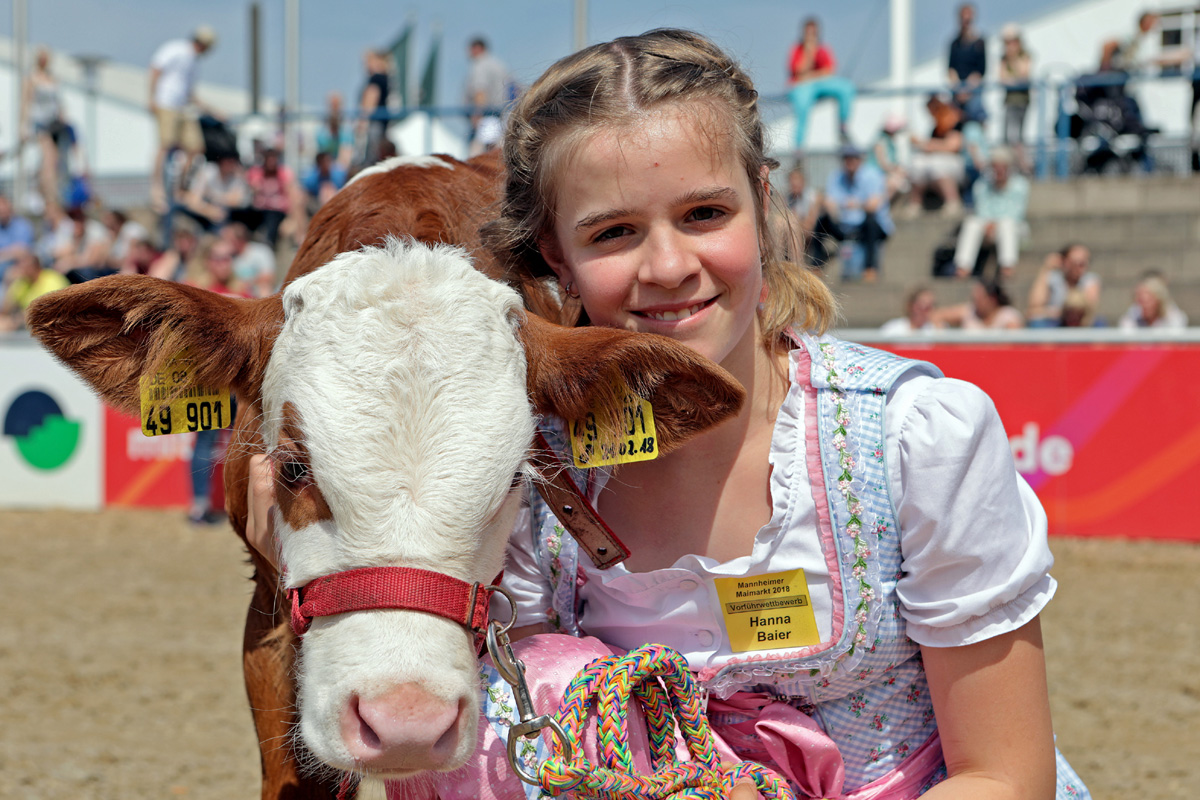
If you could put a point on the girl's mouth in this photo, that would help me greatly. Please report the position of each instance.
(677, 314)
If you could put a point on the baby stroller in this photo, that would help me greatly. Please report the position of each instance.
(1108, 125)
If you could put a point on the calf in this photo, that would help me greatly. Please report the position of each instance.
(396, 388)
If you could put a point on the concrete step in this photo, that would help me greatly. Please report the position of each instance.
(1115, 195)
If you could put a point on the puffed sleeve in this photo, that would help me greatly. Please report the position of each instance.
(972, 532)
(522, 578)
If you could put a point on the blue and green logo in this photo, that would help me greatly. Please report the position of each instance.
(43, 436)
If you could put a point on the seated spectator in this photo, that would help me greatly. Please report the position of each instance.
(253, 262)
(919, 309)
(336, 135)
(16, 236)
(1078, 311)
(804, 202)
(217, 192)
(856, 210)
(81, 247)
(274, 196)
(140, 255)
(1153, 307)
(124, 231)
(1016, 69)
(1000, 201)
(885, 155)
(1061, 272)
(172, 264)
(811, 77)
(937, 162)
(29, 281)
(322, 181)
(989, 309)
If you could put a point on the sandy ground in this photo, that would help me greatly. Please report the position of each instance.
(120, 672)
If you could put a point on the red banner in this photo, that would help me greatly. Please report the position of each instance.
(151, 471)
(1108, 435)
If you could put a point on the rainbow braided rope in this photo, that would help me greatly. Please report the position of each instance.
(659, 678)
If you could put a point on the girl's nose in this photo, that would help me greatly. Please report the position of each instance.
(669, 259)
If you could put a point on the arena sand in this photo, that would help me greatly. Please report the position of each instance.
(120, 670)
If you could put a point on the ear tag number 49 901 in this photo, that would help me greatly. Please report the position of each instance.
(173, 403)
(598, 440)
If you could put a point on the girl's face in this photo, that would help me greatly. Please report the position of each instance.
(656, 229)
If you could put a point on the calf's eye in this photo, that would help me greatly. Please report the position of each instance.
(293, 472)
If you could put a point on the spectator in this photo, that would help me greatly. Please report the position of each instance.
(804, 202)
(920, 308)
(1153, 307)
(172, 264)
(334, 136)
(274, 197)
(885, 155)
(989, 309)
(811, 78)
(373, 114)
(253, 263)
(967, 63)
(42, 119)
(81, 247)
(856, 210)
(172, 85)
(1061, 272)
(16, 236)
(487, 92)
(124, 232)
(937, 162)
(29, 282)
(218, 191)
(1078, 311)
(1000, 201)
(1016, 68)
(322, 181)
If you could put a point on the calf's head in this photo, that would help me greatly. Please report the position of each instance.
(399, 391)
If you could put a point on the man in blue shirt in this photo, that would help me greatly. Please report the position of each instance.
(16, 236)
(856, 209)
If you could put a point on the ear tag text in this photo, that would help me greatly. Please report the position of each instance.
(600, 439)
(767, 612)
(171, 403)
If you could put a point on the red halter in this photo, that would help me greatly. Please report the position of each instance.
(404, 588)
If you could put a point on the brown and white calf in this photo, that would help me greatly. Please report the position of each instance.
(397, 388)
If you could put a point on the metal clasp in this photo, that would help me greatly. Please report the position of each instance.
(513, 671)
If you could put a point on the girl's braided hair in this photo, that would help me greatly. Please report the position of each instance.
(615, 83)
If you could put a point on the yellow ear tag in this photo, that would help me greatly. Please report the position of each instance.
(600, 439)
(171, 404)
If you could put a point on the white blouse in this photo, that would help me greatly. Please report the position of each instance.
(972, 534)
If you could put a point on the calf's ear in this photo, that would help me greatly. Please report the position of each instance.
(113, 330)
(572, 371)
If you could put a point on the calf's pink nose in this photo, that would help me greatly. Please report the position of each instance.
(405, 728)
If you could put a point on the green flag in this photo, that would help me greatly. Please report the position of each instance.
(399, 51)
(428, 93)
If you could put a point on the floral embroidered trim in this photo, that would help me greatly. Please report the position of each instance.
(845, 485)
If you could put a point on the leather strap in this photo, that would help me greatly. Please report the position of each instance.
(573, 510)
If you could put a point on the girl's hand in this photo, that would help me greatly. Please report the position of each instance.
(744, 790)
(260, 505)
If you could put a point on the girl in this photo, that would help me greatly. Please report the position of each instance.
(42, 117)
(884, 498)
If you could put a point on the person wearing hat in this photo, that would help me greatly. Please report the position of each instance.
(857, 210)
(172, 83)
(1000, 201)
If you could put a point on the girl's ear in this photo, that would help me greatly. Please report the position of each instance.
(552, 253)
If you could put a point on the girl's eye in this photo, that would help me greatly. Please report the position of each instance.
(610, 233)
(293, 472)
(705, 214)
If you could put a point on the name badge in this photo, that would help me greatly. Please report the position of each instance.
(765, 612)
(600, 439)
(171, 403)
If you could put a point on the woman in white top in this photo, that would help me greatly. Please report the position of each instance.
(42, 119)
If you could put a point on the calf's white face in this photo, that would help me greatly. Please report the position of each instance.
(395, 408)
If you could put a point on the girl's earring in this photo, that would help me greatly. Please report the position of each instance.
(570, 290)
